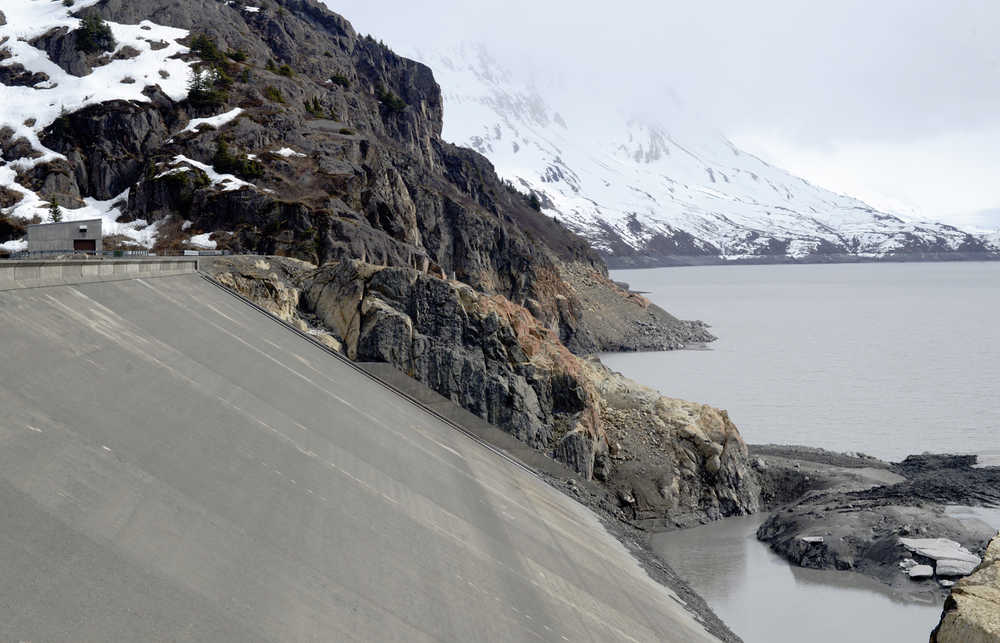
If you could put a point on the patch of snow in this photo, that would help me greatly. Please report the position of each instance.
(28, 19)
(993, 240)
(30, 204)
(287, 152)
(251, 9)
(227, 182)
(801, 248)
(138, 231)
(213, 121)
(203, 241)
(951, 558)
(14, 245)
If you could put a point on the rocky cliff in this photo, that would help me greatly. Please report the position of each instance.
(972, 611)
(666, 462)
(278, 129)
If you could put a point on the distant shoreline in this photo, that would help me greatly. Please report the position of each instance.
(683, 261)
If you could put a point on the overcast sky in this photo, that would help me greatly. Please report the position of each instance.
(896, 102)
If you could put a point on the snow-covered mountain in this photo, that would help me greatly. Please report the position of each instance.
(665, 189)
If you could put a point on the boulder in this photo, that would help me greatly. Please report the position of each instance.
(972, 610)
(17, 75)
(266, 283)
(334, 294)
(60, 45)
(918, 572)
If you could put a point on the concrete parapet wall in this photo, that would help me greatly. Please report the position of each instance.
(33, 274)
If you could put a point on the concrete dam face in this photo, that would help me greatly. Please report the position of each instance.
(176, 465)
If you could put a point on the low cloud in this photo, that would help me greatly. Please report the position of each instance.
(844, 93)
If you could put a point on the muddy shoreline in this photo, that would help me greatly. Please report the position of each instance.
(855, 513)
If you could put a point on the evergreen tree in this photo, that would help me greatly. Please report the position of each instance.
(206, 88)
(55, 212)
(535, 202)
(94, 35)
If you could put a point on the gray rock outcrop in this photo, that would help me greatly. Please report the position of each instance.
(665, 462)
(465, 345)
(972, 610)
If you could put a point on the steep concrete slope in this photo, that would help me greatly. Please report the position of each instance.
(177, 466)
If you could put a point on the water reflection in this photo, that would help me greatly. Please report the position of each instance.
(763, 598)
(988, 515)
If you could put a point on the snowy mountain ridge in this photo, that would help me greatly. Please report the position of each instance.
(669, 189)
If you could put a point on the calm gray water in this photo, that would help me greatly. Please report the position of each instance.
(888, 359)
(765, 600)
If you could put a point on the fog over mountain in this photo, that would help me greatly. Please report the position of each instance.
(893, 103)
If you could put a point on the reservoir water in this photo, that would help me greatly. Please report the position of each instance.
(765, 600)
(887, 359)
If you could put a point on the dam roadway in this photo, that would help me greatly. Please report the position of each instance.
(176, 465)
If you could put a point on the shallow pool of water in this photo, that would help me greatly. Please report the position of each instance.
(765, 600)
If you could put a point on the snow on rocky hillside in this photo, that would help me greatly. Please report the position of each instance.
(653, 191)
(35, 92)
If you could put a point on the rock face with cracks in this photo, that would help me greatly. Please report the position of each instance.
(972, 611)
(666, 462)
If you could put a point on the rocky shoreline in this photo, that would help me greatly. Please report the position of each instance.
(886, 520)
(972, 611)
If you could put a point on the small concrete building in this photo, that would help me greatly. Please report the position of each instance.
(68, 237)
